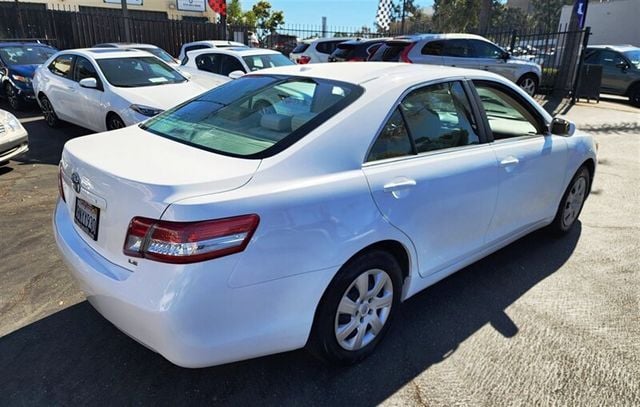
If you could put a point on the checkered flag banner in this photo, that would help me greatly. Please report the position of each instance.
(383, 16)
(219, 6)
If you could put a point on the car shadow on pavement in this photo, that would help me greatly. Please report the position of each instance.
(76, 357)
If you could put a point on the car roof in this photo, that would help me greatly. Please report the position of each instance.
(216, 43)
(236, 51)
(22, 44)
(365, 40)
(448, 36)
(333, 39)
(103, 53)
(393, 73)
(619, 48)
(124, 45)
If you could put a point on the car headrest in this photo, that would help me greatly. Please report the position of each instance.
(275, 121)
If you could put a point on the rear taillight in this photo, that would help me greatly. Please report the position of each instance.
(188, 242)
(304, 59)
(60, 187)
(355, 59)
(404, 56)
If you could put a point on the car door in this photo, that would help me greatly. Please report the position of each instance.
(532, 162)
(430, 53)
(615, 78)
(61, 87)
(458, 53)
(433, 177)
(488, 57)
(89, 106)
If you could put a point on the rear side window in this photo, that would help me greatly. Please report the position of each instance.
(300, 48)
(393, 141)
(389, 52)
(457, 48)
(327, 47)
(255, 116)
(61, 66)
(484, 49)
(433, 48)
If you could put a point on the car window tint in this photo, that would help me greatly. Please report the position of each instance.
(484, 49)
(592, 57)
(327, 47)
(439, 117)
(393, 141)
(61, 66)
(84, 69)
(229, 64)
(508, 117)
(433, 48)
(302, 47)
(208, 63)
(257, 62)
(457, 48)
(610, 58)
(138, 71)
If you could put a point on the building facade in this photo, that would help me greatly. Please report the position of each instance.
(612, 22)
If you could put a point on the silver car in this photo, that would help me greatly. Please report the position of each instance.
(461, 50)
(13, 137)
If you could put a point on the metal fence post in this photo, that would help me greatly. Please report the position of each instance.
(576, 84)
(514, 36)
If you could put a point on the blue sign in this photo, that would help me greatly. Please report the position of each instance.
(580, 10)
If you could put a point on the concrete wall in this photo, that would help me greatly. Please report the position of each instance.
(613, 22)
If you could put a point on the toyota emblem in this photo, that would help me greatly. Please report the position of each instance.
(75, 180)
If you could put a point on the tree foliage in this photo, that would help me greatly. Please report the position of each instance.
(260, 17)
(456, 15)
(546, 14)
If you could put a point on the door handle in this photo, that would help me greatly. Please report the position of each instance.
(398, 185)
(71, 88)
(509, 161)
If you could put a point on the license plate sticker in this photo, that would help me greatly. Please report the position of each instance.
(87, 217)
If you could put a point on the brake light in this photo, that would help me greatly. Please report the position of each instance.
(188, 242)
(355, 59)
(60, 187)
(404, 56)
(304, 59)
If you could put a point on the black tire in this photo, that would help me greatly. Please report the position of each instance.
(114, 122)
(634, 95)
(323, 342)
(528, 83)
(12, 97)
(49, 113)
(568, 207)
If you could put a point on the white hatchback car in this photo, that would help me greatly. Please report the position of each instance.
(108, 88)
(206, 44)
(211, 67)
(250, 230)
(315, 51)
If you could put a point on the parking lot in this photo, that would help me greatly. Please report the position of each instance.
(543, 321)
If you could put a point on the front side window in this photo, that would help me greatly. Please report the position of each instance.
(84, 69)
(254, 116)
(439, 117)
(208, 62)
(611, 59)
(25, 54)
(484, 49)
(257, 62)
(138, 71)
(61, 66)
(508, 116)
(229, 64)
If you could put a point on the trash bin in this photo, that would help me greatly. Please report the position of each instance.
(590, 81)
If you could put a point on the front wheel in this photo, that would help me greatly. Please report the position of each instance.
(114, 122)
(529, 84)
(572, 202)
(12, 97)
(356, 310)
(49, 114)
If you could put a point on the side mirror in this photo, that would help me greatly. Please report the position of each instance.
(562, 127)
(236, 74)
(90, 83)
(505, 55)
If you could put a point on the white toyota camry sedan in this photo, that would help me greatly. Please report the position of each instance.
(108, 88)
(299, 206)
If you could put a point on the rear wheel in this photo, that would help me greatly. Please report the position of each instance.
(114, 122)
(12, 97)
(47, 111)
(528, 83)
(356, 310)
(572, 202)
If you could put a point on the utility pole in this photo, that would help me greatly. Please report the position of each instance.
(125, 17)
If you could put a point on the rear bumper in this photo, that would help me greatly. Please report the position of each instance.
(189, 314)
(13, 147)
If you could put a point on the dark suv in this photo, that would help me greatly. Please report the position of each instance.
(620, 69)
(18, 62)
(356, 50)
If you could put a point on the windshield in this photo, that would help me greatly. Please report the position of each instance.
(257, 62)
(634, 57)
(138, 71)
(255, 116)
(160, 53)
(26, 54)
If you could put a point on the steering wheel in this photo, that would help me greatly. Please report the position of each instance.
(263, 107)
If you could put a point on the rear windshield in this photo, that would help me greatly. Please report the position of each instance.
(255, 116)
(389, 52)
(134, 72)
(344, 51)
(300, 48)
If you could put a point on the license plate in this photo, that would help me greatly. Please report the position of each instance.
(87, 217)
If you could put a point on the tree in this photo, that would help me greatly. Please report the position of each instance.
(266, 19)
(456, 15)
(509, 18)
(234, 13)
(546, 13)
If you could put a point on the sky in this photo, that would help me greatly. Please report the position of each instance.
(339, 13)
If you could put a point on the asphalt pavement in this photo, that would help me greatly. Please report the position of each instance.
(544, 321)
